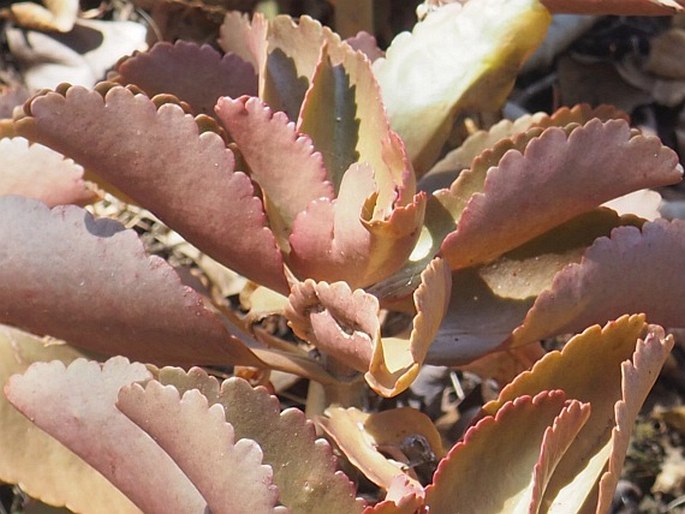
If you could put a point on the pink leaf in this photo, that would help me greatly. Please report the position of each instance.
(90, 282)
(557, 178)
(366, 43)
(284, 163)
(304, 467)
(228, 474)
(38, 172)
(336, 240)
(158, 157)
(196, 74)
(599, 289)
(76, 406)
(340, 322)
(244, 37)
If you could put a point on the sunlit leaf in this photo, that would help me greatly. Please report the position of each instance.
(76, 406)
(344, 114)
(339, 321)
(293, 51)
(347, 428)
(456, 57)
(58, 15)
(339, 240)
(196, 74)
(38, 172)
(397, 360)
(304, 467)
(596, 356)
(489, 302)
(43, 467)
(228, 473)
(558, 177)
(108, 296)
(491, 469)
(184, 177)
(244, 37)
(445, 171)
(598, 289)
(283, 162)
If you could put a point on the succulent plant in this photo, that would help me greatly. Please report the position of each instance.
(322, 171)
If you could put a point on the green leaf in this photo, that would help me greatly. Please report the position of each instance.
(457, 57)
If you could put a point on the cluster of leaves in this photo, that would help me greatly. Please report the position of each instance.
(313, 166)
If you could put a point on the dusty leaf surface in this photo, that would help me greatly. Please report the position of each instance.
(606, 290)
(336, 319)
(228, 473)
(196, 74)
(38, 172)
(106, 296)
(556, 178)
(76, 405)
(184, 177)
(491, 301)
(43, 467)
(304, 467)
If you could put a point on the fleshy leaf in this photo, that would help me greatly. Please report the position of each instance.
(397, 360)
(198, 75)
(366, 43)
(596, 356)
(616, 7)
(340, 322)
(489, 302)
(108, 296)
(59, 15)
(598, 289)
(455, 58)
(339, 240)
(637, 378)
(446, 170)
(38, 172)
(184, 177)
(558, 177)
(293, 51)
(346, 428)
(284, 163)
(304, 468)
(343, 113)
(228, 474)
(491, 469)
(244, 37)
(76, 406)
(43, 467)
